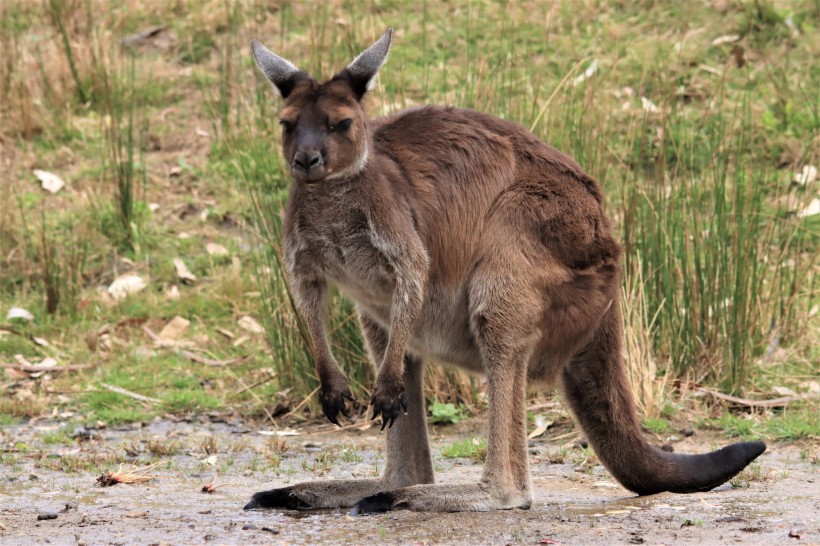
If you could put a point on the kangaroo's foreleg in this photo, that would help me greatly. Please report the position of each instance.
(310, 295)
(408, 449)
(397, 241)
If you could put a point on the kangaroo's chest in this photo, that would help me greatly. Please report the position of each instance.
(343, 252)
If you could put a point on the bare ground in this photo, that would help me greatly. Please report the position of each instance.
(575, 502)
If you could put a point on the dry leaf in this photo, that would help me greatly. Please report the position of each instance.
(183, 272)
(249, 324)
(649, 106)
(125, 285)
(50, 181)
(227, 333)
(172, 293)
(174, 329)
(806, 176)
(783, 391)
(727, 39)
(216, 250)
(605, 484)
(285, 432)
(588, 73)
(19, 313)
(541, 427)
(811, 210)
(210, 460)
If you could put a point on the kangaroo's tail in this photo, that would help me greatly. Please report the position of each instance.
(596, 387)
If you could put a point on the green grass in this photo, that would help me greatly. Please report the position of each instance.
(791, 424)
(446, 414)
(471, 448)
(657, 426)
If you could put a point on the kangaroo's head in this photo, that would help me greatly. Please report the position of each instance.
(324, 127)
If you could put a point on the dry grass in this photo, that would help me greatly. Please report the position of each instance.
(129, 474)
(649, 388)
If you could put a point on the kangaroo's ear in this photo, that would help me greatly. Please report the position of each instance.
(361, 73)
(282, 73)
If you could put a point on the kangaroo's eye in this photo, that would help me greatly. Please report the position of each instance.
(287, 126)
(343, 125)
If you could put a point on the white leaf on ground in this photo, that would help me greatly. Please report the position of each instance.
(125, 285)
(541, 426)
(806, 176)
(649, 106)
(19, 313)
(811, 210)
(727, 39)
(588, 73)
(215, 249)
(174, 329)
(172, 293)
(210, 460)
(810, 386)
(40, 341)
(784, 391)
(249, 324)
(50, 181)
(605, 484)
(183, 272)
(153, 207)
(47, 362)
(285, 432)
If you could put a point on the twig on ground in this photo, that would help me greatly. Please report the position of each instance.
(135, 396)
(771, 403)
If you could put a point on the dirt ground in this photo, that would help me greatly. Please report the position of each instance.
(575, 503)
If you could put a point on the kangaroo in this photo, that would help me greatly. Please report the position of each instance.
(465, 240)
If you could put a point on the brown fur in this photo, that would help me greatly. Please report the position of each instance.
(465, 240)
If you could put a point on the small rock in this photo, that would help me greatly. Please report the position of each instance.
(70, 506)
(249, 527)
(687, 432)
(46, 515)
(668, 448)
(269, 530)
(33, 477)
(82, 434)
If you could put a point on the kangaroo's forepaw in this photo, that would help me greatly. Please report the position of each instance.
(333, 401)
(374, 504)
(277, 498)
(390, 402)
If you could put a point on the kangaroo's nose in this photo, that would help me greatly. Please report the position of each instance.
(307, 160)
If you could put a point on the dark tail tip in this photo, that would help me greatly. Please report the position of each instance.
(696, 473)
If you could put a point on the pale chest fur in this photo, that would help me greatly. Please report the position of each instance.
(340, 248)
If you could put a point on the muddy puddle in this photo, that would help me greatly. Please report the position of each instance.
(45, 473)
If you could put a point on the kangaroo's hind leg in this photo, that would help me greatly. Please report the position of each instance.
(408, 450)
(503, 323)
